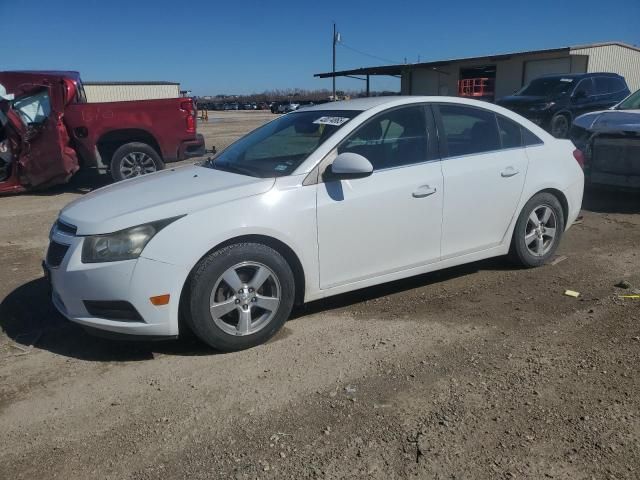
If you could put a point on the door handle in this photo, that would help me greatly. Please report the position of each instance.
(424, 191)
(509, 172)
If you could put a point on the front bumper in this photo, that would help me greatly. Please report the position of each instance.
(133, 281)
(192, 148)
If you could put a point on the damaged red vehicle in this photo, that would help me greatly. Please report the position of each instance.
(49, 132)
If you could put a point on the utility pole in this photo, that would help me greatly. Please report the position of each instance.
(334, 61)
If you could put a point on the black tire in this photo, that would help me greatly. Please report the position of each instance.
(522, 252)
(149, 160)
(560, 125)
(209, 273)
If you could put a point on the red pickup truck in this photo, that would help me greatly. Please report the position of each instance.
(48, 131)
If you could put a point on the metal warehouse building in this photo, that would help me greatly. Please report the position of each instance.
(126, 91)
(495, 76)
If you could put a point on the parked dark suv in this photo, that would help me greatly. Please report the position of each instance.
(553, 101)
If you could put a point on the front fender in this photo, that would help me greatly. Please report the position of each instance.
(287, 216)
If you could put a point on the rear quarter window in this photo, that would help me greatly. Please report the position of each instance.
(529, 138)
(510, 132)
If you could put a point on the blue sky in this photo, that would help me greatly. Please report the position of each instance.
(244, 46)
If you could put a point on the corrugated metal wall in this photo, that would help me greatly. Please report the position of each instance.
(97, 93)
(616, 59)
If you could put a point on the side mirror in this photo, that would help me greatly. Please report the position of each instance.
(349, 165)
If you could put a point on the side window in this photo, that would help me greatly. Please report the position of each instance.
(603, 85)
(616, 85)
(391, 139)
(33, 109)
(510, 132)
(469, 130)
(529, 138)
(586, 86)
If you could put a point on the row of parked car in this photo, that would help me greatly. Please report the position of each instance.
(597, 112)
(275, 107)
(234, 106)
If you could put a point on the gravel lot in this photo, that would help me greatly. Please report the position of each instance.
(480, 371)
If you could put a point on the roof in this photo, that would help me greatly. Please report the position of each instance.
(153, 82)
(581, 75)
(358, 104)
(399, 68)
(46, 73)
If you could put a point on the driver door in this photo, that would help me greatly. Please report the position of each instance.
(391, 220)
(36, 117)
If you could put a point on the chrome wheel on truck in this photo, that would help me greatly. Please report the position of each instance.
(135, 164)
(133, 160)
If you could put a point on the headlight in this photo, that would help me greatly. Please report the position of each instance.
(542, 106)
(123, 245)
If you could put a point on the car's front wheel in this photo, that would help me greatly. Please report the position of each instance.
(240, 296)
(538, 230)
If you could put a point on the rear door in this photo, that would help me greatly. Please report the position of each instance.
(484, 166)
(46, 157)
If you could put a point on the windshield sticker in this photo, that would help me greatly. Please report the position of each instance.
(337, 121)
(568, 80)
(281, 167)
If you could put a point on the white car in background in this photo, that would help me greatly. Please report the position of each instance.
(330, 199)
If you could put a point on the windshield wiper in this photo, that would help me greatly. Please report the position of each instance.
(232, 169)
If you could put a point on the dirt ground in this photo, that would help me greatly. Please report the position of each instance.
(478, 372)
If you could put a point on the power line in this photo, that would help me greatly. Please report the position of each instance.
(386, 60)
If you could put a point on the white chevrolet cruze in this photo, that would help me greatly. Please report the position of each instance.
(329, 199)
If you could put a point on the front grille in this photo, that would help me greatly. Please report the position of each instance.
(619, 155)
(66, 229)
(113, 310)
(56, 253)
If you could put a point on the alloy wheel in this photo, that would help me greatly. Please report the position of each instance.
(245, 298)
(560, 126)
(540, 233)
(135, 164)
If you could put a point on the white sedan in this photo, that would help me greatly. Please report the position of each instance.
(332, 198)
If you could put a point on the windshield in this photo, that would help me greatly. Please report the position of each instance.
(632, 102)
(279, 147)
(547, 87)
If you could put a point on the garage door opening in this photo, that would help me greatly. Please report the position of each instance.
(537, 68)
(478, 82)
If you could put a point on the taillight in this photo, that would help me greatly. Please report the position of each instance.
(579, 156)
(188, 107)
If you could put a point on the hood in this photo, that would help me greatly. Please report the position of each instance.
(524, 100)
(165, 194)
(610, 121)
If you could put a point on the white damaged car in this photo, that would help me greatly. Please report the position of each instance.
(332, 198)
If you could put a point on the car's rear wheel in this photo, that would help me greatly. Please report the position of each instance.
(560, 126)
(134, 159)
(241, 295)
(538, 230)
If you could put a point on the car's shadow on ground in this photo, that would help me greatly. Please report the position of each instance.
(29, 319)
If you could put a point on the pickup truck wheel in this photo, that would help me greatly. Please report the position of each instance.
(134, 159)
